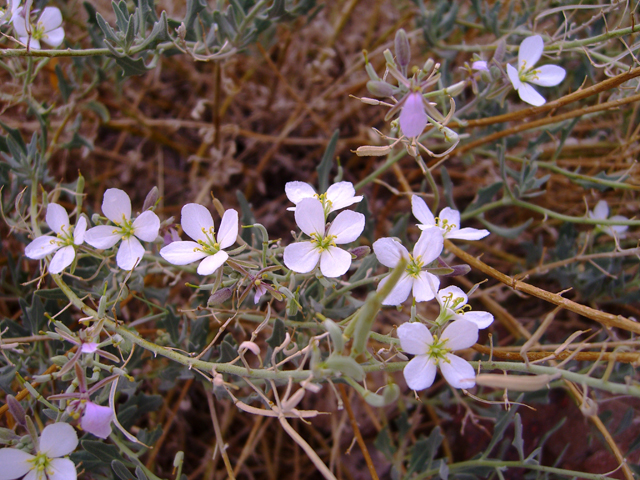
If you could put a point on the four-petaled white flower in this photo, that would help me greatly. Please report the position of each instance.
(57, 440)
(338, 196)
(431, 351)
(448, 222)
(197, 222)
(414, 278)
(453, 306)
(48, 28)
(413, 117)
(116, 206)
(545, 76)
(6, 14)
(601, 212)
(64, 244)
(302, 257)
(97, 419)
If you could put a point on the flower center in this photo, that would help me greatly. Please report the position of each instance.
(326, 203)
(210, 246)
(126, 228)
(38, 31)
(415, 266)
(321, 243)
(438, 349)
(444, 224)
(66, 235)
(40, 463)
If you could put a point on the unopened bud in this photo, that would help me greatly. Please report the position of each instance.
(7, 436)
(388, 56)
(16, 410)
(456, 89)
(449, 135)
(370, 151)
(360, 252)
(379, 88)
(428, 66)
(403, 51)
(178, 459)
(501, 49)
(220, 296)
(151, 199)
(95, 218)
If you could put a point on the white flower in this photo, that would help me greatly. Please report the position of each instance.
(6, 14)
(57, 440)
(431, 351)
(338, 196)
(64, 244)
(546, 76)
(453, 306)
(302, 257)
(414, 278)
(97, 419)
(116, 206)
(48, 28)
(413, 118)
(448, 222)
(601, 212)
(197, 222)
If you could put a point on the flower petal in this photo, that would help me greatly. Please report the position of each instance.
(347, 227)
(182, 252)
(96, 419)
(15, 463)
(547, 75)
(62, 259)
(79, 230)
(461, 334)
(413, 118)
(58, 439)
(62, 469)
(41, 247)
(51, 18)
(423, 289)
(468, 233)
(57, 219)
(458, 372)
(601, 210)
(20, 26)
(513, 76)
(480, 65)
(129, 253)
(422, 212)
(415, 338)
(481, 319)
(420, 372)
(389, 251)
(450, 218)
(297, 191)
(116, 205)
(102, 236)
(530, 52)
(54, 37)
(197, 221)
(301, 257)
(212, 263)
(334, 262)
(228, 232)
(400, 292)
(530, 95)
(429, 246)
(618, 229)
(310, 216)
(341, 195)
(146, 226)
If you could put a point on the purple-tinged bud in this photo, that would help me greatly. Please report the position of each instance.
(379, 88)
(151, 199)
(16, 410)
(360, 252)
(501, 49)
(403, 50)
(220, 296)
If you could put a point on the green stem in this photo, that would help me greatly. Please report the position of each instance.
(380, 170)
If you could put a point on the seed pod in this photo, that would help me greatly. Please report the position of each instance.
(403, 50)
(369, 151)
(346, 365)
(379, 88)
